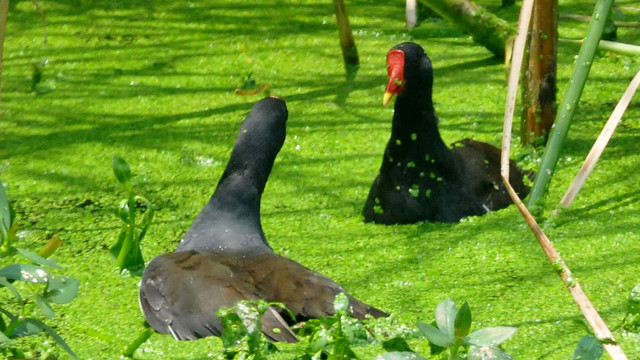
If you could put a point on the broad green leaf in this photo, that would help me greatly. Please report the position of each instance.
(26, 328)
(115, 249)
(52, 333)
(490, 336)
(133, 260)
(62, 289)
(400, 355)
(353, 330)
(143, 200)
(341, 303)
(589, 348)
(146, 220)
(5, 213)
(446, 316)
(342, 350)
(435, 349)
(25, 272)
(434, 335)
(4, 339)
(123, 210)
(3, 325)
(38, 259)
(487, 353)
(249, 316)
(138, 180)
(8, 314)
(122, 171)
(396, 344)
(44, 306)
(463, 320)
(8, 285)
(319, 341)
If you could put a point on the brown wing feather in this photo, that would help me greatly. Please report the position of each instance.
(181, 292)
(305, 292)
(481, 163)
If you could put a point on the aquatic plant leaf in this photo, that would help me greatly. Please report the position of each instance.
(25, 272)
(8, 314)
(133, 260)
(320, 340)
(463, 320)
(446, 313)
(633, 302)
(341, 303)
(115, 249)
(26, 328)
(396, 344)
(490, 336)
(487, 353)
(37, 324)
(31, 256)
(123, 211)
(146, 223)
(400, 355)
(4, 339)
(122, 171)
(5, 283)
(589, 348)
(434, 335)
(62, 289)
(5, 212)
(44, 306)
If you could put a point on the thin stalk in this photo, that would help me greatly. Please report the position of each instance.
(4, 11)
(568, 106)
(142, 337)
(453, 352)
(411, 13)
(613, 46)
(599, 327)
(514, 73)
(131, 228)
(592, 317)
(601, 142)
(586, 19)
(347, 42)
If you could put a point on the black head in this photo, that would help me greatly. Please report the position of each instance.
(410, 73)
(260, 138)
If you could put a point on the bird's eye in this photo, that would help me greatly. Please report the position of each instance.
(415, 62)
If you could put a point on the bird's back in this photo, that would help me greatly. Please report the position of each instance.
(181, 292)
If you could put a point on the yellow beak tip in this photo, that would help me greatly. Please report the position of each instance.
(386, 99)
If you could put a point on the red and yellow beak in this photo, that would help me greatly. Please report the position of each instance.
(395, 68)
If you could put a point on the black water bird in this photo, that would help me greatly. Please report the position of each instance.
(224, 257)
(421, 178)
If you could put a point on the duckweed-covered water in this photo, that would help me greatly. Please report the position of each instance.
(154, 83)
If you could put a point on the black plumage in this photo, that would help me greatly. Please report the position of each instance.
(421, 178)
(224, 257)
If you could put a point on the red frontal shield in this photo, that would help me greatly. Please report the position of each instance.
(395, 69)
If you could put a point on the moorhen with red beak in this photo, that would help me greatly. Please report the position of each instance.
(224, 257)
(421, 178)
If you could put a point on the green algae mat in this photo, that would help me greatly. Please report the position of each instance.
(154, 82)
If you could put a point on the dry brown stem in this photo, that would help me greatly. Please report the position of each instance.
(590, 314)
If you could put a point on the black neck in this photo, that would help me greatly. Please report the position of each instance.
(415, 125)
